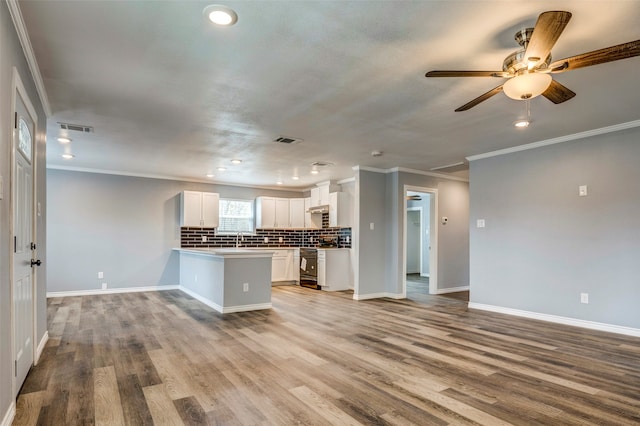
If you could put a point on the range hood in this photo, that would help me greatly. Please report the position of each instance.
(319, 209)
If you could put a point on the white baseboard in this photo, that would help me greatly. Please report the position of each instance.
(452, 289)
(9, 415)
(378, 296)
(592, 325)
(110, 291)
(225, 309)
(41, 345)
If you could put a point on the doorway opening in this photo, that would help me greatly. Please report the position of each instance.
(420, 241)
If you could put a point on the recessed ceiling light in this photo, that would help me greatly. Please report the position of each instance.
(68, 156)
(314, 172)
(220, 15)
(221, 169)
(236, 161)
(521, 124)
(210, 175)
(63, 139)
(295, 177)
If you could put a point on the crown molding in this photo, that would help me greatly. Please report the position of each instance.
(173, 178)
(412, 171)
(560, 139)
(27, 48)
(432, 174)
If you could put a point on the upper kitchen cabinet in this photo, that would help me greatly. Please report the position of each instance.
(272, 213)
(296, 213)
(199, 209)
(340, 210)
(320, 194)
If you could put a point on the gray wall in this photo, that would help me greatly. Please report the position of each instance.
(543, 245)
(371, 244)
(11, 55)
(120, 225)
(381, 200)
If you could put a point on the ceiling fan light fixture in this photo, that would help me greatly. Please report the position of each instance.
(526, 85)
(220, 15)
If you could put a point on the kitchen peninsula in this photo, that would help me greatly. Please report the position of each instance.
(227, 279)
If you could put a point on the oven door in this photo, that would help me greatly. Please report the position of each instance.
(309, 268)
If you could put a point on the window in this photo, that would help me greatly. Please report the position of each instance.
(236, 216)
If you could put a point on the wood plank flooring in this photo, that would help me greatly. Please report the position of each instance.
(321, 358)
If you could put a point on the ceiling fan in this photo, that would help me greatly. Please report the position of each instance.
(529, 69)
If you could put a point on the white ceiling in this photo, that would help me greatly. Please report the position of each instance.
(169, 94)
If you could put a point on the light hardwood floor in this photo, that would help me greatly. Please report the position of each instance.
(322, 358)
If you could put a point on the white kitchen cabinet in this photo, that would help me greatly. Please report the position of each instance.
(339, 210)
(199, 209)
(334, 269)
(296, 213)
(282, 266)
(311, 221)
(272, 212)
(320, 195)
(296, 265)
(279, 266)
(282, 213)
(265, 212)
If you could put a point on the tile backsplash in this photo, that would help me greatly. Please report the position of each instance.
(191, 237)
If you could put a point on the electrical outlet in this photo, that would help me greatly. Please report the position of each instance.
(280, 240)
(245, 287)
(348, 239)
(480, 223)
(582, 191)
(266, 240)
(204, 238)
(584, 297)
(100, 275)
(104, 286)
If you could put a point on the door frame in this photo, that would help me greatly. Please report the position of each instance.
(416, 209)
(433, 237)
(18, 89)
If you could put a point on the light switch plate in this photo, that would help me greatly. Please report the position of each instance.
(480, 223)
(582, 191)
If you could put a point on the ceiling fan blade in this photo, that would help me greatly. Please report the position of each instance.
(557, 93)
(601, 56)
(545, 34)
(502, 74)
(480, 98)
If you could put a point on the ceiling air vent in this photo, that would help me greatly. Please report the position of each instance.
(76, 127)
(287, 140)
(321, 164)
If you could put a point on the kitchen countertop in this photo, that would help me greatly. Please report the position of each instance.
(228, 251)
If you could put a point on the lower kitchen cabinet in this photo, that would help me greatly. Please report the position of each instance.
(334, 272)
(282, 266)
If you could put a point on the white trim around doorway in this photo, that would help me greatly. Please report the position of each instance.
(433, 235)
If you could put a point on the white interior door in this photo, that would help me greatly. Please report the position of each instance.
(23, 243)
